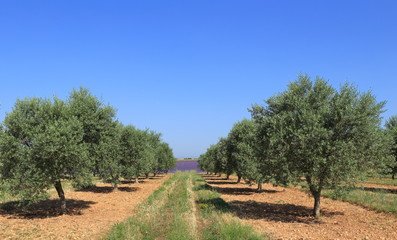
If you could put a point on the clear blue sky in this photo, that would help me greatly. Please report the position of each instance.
(190, 69)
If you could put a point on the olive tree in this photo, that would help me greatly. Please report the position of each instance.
(109, 155)
(327, 136)
(153, 141)
(220, 156)
(165, 158)
(216, 158)
(242, 147)
(135, 152)
(95, 118)
(206, 162)
(39, 143)
(391, 128)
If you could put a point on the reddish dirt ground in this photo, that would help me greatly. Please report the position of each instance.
(93, 212)
(284, 213)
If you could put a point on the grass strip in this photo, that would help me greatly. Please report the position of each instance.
(382, 181)
(164, 215)
(178, 209)
(379, 201)
(218, 222)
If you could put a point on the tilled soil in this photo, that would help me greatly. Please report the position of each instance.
(92, 212)
(285, 213)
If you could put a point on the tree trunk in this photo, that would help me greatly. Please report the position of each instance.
(227, 176)
(238, 178)
(61, 194)
(115, 187)
(259, 187)
(136, 180)
(155, 173)
(316, 209)
(146, 175)
(220, 175)
(392, 176)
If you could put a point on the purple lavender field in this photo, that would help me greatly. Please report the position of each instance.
(184, 166)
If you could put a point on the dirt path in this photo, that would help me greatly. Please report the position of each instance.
(95, 210)
(193, 213)
(285, 213)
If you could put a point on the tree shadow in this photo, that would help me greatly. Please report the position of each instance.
(132, 181)
(278, 212)
(43, 209)
(104, 189)
(241, 191)
(209, 181)
(156, 177)
(379, 190)
(222, 179)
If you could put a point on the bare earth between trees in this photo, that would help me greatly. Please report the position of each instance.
(286, 213)
(94, 212)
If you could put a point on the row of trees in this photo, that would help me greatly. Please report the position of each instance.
(42, 141)
(328, 137)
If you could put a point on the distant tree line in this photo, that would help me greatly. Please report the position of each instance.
(311, 131)
(43, 141)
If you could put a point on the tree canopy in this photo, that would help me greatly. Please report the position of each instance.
(43, 140)
(330, 137)
(391, 129)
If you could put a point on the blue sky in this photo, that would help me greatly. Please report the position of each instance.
(190, 69)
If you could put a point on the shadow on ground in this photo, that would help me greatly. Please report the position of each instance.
(43, 209)
(239, 191)
(103, 189)
(277, 212)
(381, 190)
(214, 181)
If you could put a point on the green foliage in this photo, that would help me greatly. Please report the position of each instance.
(39, 143)
(43, 141)
(330, 137)
(243, 150)
(391, 129)
(96, 119)
(165, 158)
(82, 179)
(110, 155)
(216, 158)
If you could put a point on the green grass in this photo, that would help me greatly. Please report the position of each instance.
(183, 208)
(380, 200)
(219, 222)
(164, 215)
(382, 181)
